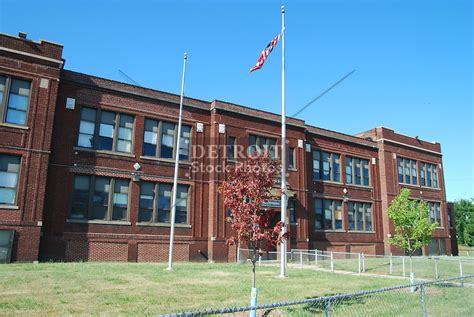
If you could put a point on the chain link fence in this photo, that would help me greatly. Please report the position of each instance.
(450, 296)
(433, 267)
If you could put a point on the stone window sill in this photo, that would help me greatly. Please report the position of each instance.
(162, 224)
(11, 207)
(100, 222)
(81, 149)
(15, 126)
(330, 231)
(151, 158)
(360, 231)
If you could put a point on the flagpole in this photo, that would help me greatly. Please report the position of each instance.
(176, 168)
(283, 148)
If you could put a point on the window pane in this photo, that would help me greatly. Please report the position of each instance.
(16, 117)
(360, 216)
(106, 130)
(336, 167)
(316, 165)
(185, 143)
(319, 214)
(351, 214)
(349, 170)
(164, 202)
(414, 173)
(358, 176)
(291, 157)
(146, 202)
(400, 170)
(85, 140)
(407, 172)
(368, 217)
(432, 213)
(150, 138)
(272, 148)
(435, 176)
(438, 214)
(9, 170)
(292, 207)
(88, 114)
(7, 196)
(120, 203)
(18, 101)
(124, 146)
(422, 172)
(167, 140)
(365, 172)
(231, 148)
(326, 166)
(182, 204)
(428, 167)
(327, 214)
(87, 127)
(101, 198)
(80, 197)
(338, 214)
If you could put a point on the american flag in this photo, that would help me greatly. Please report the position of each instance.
(265, 53)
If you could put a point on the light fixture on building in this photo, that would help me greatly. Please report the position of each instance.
(389, 235)
(344, 195)
(137, 166)
(135, 177)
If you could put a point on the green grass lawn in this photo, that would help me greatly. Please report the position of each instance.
(147, 289)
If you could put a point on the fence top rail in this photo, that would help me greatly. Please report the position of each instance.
(315, 300)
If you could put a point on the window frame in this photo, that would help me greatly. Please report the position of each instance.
(292, 158)
(412, 166)
(266, 144)
(110, 202)
(333, 214)
(432, 170)
(365, 204)
(6, 97)
(436, 204)
(231, 148)
(156, 193)
(98, 120)
(332, 162)
(353, 174)
(19, 174)
(159, 140)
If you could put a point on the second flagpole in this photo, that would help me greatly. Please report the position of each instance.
(283, 148)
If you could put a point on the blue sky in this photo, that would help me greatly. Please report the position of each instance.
(413, 59)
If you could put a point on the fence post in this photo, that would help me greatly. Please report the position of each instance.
(461, 273)
(238, 254)
(436, 269)
(423, 300)
(316, 256)
(259, 259)
(360, 264)
(328, 307)
(332, 262)
(363, 263)
(391, 264)
(301, 259)
(403, 266)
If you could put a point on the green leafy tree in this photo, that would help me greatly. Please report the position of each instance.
(411, 219)
(465, 221)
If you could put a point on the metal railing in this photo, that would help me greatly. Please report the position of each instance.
(420, 298)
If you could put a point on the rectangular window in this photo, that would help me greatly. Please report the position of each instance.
(407, 171)
(360, 216)
(450, 217)
(435, 213)
(155, 203)
(429, 175)
(292, 207)
(99, 130)
(328, 214)
(14, 100)
(159, 140)
(329, 164)
(9, 172)
(357, 171)
(260, 144)
(291, 158)
(100, 198)
(231, 148)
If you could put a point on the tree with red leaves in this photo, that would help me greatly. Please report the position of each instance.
(247, 188)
